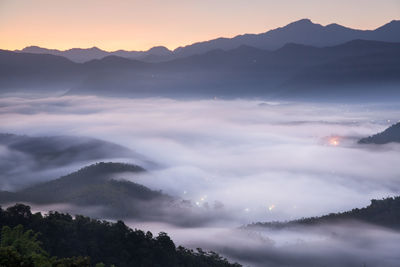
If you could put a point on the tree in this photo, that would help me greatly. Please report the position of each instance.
(18, 245)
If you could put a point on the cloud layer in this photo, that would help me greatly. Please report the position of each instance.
(256, 161)
(248, 156)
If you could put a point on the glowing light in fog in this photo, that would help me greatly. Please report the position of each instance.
(334, 141)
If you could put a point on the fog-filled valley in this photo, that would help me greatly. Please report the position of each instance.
(199, 133)
(208, 168)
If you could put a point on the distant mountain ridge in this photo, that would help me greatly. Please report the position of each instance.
(356, 69)
(81, 55)
(301, 32)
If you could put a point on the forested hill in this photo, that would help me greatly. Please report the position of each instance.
(37, 158)
(385, 212)
(110, 243)
(96, 186)
(391, 134)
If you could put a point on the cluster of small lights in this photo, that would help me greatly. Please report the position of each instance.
(202, 199)
(271, 207)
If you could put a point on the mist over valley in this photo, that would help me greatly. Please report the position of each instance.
(271, 149)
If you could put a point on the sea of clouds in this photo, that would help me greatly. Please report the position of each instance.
(255, 160)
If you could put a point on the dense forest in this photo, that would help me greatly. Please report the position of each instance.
(384, 212)
(60, 240)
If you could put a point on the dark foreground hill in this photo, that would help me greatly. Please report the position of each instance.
(391, 134)
(95, 187)
(385, 212)
(110, 243)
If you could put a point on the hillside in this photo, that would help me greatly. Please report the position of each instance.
(62, 235)
(391, 134)
(25, 159)
(95, 186)
(384, 212)
(61, 150)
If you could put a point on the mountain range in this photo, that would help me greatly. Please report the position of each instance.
(307, 61)
(81, 55)
(357, 69)
(300, 32)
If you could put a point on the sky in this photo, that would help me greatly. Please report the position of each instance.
(140, 25)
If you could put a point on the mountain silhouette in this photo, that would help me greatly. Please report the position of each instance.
(303, 32)
(300, 32)
(81, 55)
(355, 69)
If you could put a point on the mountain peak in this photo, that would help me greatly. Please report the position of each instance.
(34, 49)
(91, 49)
(94, 48)
(394, 25)
(30, 47)
(335, 26)
(301, 22)
(159, 50)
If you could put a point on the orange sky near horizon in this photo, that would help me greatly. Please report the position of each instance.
(140, 25)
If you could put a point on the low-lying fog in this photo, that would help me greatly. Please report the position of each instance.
(255, 160)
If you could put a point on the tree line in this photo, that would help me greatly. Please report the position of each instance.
(60, 240)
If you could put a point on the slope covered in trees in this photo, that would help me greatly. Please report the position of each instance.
(94, 186)
(384, 212)
(80, 240)
(27, 159)
(22, 248)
